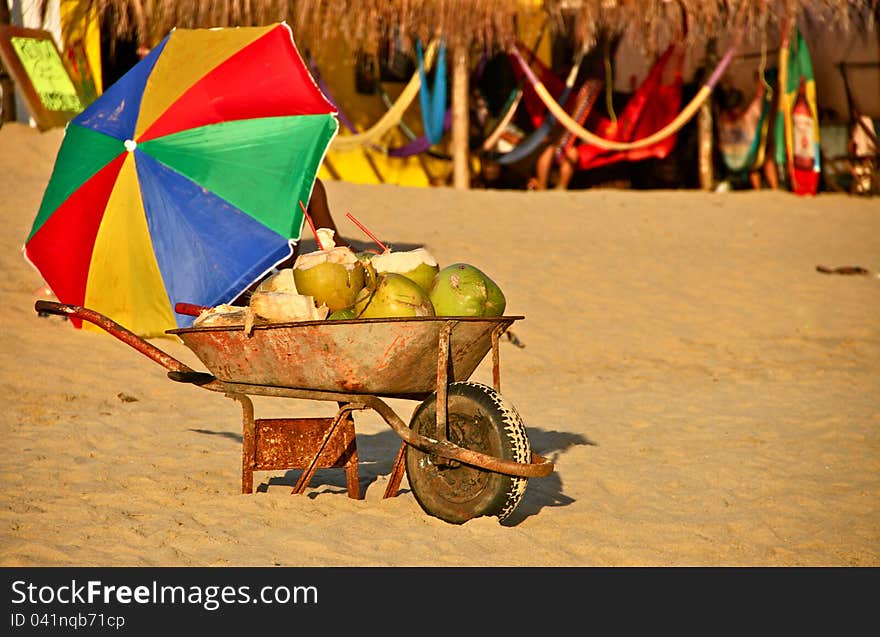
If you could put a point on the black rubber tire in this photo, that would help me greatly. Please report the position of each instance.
(478, 419)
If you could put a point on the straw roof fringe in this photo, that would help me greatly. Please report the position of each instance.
(483, 24)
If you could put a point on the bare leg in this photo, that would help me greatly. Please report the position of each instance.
(319, 211)
(542, 168)
(755, 179)
(566, 169)
(770, 174)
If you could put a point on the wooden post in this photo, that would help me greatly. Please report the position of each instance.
(461, 176)
(704, 146)
(10, 101)
(705, 129)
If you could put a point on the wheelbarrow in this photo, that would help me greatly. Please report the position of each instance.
(465, 452)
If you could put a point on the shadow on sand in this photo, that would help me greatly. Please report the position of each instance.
(377, 452)
(310, 245)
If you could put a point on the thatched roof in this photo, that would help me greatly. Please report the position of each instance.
(483, 23)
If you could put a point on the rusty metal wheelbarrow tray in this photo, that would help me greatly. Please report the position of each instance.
(392, 357)
(351, 362)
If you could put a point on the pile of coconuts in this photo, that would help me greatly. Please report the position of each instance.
(335, 283)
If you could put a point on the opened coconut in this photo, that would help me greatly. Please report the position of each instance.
(281, 281)
(393, 296)
(221, 315)
(332, 276)
(417, 265)
(283, 307)
(464, 290)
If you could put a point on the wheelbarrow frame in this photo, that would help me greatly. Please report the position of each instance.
(347, 402)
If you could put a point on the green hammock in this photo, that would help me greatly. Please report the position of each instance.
(742, 139)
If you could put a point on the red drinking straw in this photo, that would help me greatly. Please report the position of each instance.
(311, 225)
(381, 245)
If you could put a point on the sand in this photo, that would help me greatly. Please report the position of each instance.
(708, 398)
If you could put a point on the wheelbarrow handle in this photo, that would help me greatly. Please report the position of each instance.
(190, 309)
(537, 468)
(114, 329)
(51, 307)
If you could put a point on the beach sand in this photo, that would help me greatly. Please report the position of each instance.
(708, 398)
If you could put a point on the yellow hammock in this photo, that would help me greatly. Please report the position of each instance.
(392, 116)
(576, 129)
(492, 139)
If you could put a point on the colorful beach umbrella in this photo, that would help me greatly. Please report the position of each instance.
(182, 182)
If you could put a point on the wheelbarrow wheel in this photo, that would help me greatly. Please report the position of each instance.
(478, 419)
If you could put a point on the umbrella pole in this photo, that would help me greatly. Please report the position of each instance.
(460, 125)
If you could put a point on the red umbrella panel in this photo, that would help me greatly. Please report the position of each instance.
(182, 182)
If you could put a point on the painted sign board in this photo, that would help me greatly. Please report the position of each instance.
(32, 58)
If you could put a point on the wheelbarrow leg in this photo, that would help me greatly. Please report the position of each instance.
(308, 473)
(250, 456)
(352, 481)
(248, 443)
(396, 473)
(443, 360)
(496, 357)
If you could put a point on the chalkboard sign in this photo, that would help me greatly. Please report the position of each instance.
(32, 58)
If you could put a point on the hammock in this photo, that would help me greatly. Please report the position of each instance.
(417, 144)
(613, 144)
(742, 137)
(344, 119)
(531, 143)
(433, 100)
(513, 101)
(509, 111)
(586, 98)
(652, 106)
(421, 144)
(391, 118)
(433, 103)
(326, 90)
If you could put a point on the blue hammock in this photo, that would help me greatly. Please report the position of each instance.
(433, 100)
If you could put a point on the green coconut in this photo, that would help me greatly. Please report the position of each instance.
(417, 265)
(370, 274)
(462, 289)
(393, 296)
(342, 315)
(332, 277)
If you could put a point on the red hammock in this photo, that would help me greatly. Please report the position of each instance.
(654, 104)
(536, 109)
